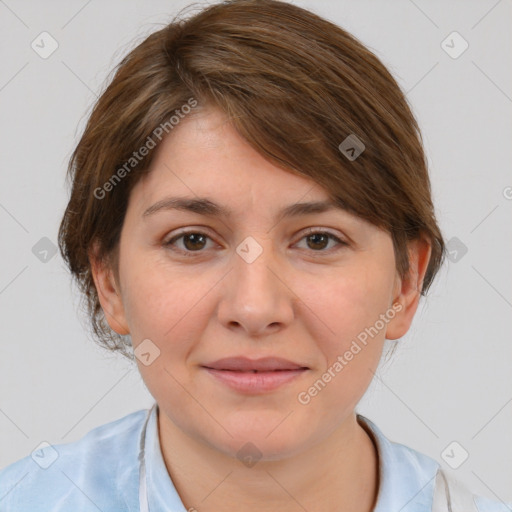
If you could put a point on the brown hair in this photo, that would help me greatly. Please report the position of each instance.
(294, 85)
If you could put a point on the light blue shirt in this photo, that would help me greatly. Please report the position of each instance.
(118, 467)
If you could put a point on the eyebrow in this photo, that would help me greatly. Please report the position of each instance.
(208, 207)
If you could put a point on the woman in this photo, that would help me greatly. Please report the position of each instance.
(250, 219)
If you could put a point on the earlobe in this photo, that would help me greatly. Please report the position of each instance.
(408, 289)
(108, 293)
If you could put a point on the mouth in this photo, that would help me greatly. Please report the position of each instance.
(244, 364)
(252, 371)
(254, 376)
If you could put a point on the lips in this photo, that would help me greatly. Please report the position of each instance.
(244, 364)
(255, 376)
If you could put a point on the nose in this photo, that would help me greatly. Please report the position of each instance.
(255, 295)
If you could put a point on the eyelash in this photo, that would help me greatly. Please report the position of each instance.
(310, 232)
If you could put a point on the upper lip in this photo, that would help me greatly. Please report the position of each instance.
(245, 364)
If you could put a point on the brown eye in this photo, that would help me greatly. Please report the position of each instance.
(193, 241)
(318, 241)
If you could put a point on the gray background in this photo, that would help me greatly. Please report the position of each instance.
(450, 379)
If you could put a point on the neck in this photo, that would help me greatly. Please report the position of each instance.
(339, 474)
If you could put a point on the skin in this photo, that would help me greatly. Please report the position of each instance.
(302, 299)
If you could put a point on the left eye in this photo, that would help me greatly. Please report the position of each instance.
(194, 241)
(320, 238)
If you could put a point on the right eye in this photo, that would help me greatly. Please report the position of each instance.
(193, 241)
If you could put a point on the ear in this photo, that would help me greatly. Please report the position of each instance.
(108, 293)
(407, 291)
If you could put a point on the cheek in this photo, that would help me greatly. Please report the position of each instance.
(167, 309)
(159, 300)
(342, 319)
(345, 304)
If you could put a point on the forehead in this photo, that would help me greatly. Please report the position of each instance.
(204, 156)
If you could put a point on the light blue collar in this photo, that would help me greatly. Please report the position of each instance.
(156, 489)
(406, 477)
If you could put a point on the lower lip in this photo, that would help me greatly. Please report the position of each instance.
(253, 383)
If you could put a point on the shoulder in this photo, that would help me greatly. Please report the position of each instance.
(487, 505)
(453, 496)
(78, 475)
(411, 480)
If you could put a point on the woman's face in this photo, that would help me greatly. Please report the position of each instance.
(249, 282)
